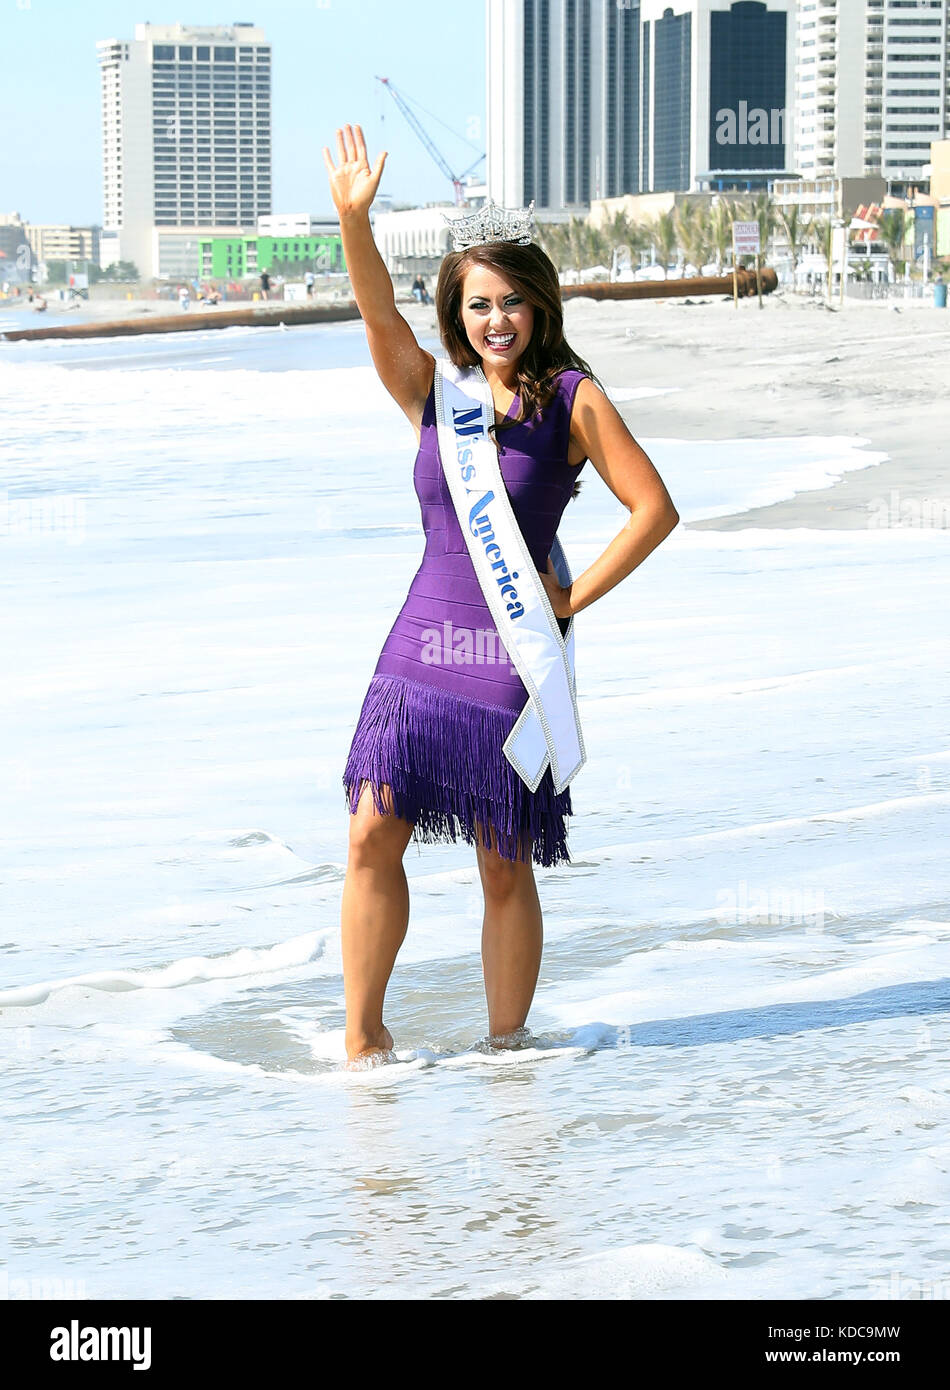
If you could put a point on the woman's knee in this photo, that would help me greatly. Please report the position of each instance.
(502, 877)
(375, 834)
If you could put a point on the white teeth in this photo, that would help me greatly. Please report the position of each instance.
(500, 338)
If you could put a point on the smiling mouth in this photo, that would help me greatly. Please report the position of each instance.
(500, 342)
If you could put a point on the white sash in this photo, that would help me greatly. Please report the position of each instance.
(548, 729)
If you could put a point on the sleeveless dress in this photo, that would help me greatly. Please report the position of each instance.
(434, 718)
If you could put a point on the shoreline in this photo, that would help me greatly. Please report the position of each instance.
(134, 323)
(874, 371)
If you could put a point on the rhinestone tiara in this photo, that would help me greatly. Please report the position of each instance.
(491, 223)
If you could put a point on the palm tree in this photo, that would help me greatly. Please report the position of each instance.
(622, 234)
(663, 237)
(894, 225)
(550, 237)
(618, 228)
(794, 227)
(822, 231)
(720, 230)
(693, 233)
(761, 209)
(578, 242)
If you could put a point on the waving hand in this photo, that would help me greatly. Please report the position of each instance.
(353, 183)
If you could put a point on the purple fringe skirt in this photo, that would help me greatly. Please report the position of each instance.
(441, 754)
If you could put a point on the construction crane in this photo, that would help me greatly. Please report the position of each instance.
(434, 151)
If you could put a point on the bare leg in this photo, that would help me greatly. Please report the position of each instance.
(374, 919)
(512, 938)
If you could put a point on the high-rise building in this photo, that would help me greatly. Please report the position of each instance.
(563, 101)
(872, 88)
(592, 99)
(186, 121)
(717, 83)
(63, 243)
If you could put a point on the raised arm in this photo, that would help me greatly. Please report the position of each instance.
(404, 367)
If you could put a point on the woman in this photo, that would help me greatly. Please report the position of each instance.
(426, 759)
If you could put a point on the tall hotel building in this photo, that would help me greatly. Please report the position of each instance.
(873, 84)
(594, 98)
(186, 123)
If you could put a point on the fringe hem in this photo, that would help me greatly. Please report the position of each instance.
(441, 755)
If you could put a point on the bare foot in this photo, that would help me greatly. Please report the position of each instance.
(373, 1053)
(501, 1042)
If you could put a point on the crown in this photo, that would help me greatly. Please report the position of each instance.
(491, 222)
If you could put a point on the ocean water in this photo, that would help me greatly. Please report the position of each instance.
(736, 1084)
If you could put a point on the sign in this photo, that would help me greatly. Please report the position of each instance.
(923, 230)
(745, 238)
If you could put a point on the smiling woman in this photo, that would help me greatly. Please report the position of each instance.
(500, 303)
(433, 753)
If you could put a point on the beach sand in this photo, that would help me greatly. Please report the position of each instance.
(869, 371)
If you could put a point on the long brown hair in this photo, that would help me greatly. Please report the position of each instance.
(547, 354)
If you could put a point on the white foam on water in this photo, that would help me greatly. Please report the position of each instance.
(242, 963)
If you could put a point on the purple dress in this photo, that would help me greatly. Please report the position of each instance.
(435, 717)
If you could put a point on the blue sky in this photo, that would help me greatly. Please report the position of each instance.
(326, 57)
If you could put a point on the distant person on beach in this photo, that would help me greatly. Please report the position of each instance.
(308, 280)
(184, 298)
(417, 289)
(265, 284)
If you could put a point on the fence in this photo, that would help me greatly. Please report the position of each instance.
(866, 289)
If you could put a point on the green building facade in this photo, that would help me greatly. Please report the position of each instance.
(235, 258)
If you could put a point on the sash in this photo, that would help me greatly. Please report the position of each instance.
(548, 729)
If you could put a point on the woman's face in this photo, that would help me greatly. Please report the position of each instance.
(495, 315)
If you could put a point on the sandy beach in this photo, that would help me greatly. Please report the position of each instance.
(871, 371)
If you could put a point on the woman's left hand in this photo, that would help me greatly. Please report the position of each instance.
(560, 598)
